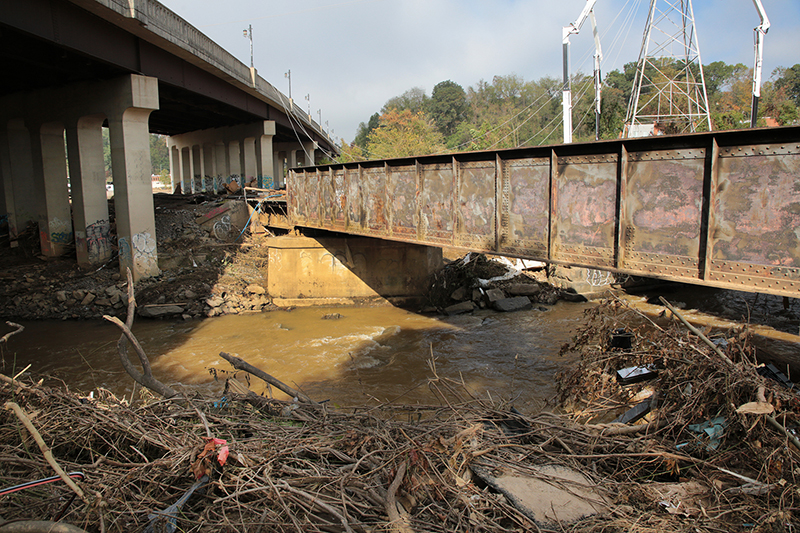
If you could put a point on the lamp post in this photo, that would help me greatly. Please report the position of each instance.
(289, 75)
(249, 33)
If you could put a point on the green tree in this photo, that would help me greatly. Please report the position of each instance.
(789, 81)
(159, 154)
(447, 106)
(403, 134)
(364, 129)
(413, 99)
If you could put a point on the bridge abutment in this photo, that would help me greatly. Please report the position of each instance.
(335, 270)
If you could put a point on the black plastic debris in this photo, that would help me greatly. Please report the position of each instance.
(635, 374)
(770, 371)
(635, 413)
(621, 339)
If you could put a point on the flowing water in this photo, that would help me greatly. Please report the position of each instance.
(366, 356)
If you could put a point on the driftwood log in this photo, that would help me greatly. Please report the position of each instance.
(241, 364)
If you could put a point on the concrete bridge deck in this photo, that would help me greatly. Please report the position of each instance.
(719, 209)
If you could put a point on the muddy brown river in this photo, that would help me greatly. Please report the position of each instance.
(367, 356)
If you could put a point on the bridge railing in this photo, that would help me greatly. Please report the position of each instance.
(156, 20)
(719, 208)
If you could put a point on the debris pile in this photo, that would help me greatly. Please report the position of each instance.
(718, 431)
(714, 450)
(475, 281)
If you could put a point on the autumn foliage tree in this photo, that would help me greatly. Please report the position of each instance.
(510, 112)
(403, 134)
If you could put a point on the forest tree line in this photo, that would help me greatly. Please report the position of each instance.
(510, 112)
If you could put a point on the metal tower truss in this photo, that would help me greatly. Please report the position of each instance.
(669, 90)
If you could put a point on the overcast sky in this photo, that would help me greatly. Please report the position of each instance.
(351, 56)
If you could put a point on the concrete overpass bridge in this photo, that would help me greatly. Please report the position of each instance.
(720, 209)
(72, 66)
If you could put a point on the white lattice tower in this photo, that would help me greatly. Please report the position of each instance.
(669, 90)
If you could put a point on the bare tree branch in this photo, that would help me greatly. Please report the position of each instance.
(144, 378)
(241, 364)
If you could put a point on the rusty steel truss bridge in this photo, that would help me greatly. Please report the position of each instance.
(719, 209)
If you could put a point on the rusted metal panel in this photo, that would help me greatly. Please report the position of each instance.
(583, 222)
(401, 193)
(297, 197)
(355, 201)
(755, 218)
(338, 199)
(374, 198)
(661, 213)
(437, 191)
(312, 191)
(475, 211)
(326, 197)
(525, 209)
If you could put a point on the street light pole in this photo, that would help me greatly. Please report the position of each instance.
(289, 75)
(249, 33)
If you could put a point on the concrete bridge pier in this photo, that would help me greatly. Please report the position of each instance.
(33, 168)
(87, 180)
(208, 158)
(17, 169)
(50, 186)
(293, 155)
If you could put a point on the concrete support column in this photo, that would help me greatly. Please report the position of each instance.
(20, 169)
(309, 153)
(87, 178)
(220, 164)
(234, 161)
(250, 164)
(7, 207)
(186, 170)
(197, 168)
(280, 169)
(292, 158)
(130, 162)
(265, 156)
(50, 183)
(209, 166)
(175, 166)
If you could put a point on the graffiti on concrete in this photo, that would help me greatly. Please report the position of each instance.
(598, 278)
(60, 231)
(125, 255)
(275, 259)
(139, 254)
(266, 182)
(144, 254)
(98, 247)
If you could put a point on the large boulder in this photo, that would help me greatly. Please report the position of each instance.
(515, 303)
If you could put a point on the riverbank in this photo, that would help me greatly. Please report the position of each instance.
(203, 274)
(712, 452)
